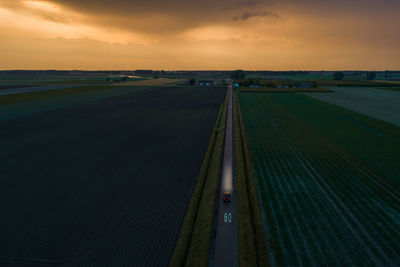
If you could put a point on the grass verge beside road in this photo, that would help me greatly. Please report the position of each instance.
(252, 246)
(193, 245)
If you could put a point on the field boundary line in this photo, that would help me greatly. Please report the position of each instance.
(246, 186)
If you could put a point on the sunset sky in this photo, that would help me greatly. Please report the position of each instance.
(208, 34)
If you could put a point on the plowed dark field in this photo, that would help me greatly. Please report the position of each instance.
(328, 181)
(104, 183)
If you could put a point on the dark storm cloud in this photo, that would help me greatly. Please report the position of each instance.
(156, 16)
(174, 16)
(195, 11)
(127, 6)
(247, 15)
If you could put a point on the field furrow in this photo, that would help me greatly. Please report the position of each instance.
(103, 181)
(327, 201)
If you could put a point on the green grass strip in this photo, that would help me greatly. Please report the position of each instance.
(193, 245)
(252, 246)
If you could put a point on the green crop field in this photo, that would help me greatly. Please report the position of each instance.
(327, 179)
(378, 103)
(389, 88)
(263, 89)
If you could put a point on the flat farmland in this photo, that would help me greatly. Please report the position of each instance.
(27, 104)
(151, 82)
(327, 179)
(380, 103)
(103, 183)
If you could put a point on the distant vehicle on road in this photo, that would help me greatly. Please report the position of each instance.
(227, 197)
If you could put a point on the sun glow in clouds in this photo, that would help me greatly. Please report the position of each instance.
(42, 6)
(46, 20)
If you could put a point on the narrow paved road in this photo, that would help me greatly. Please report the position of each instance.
(224, 241)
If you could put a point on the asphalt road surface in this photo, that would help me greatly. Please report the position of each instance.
(224, 241)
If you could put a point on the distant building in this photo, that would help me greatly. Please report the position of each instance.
(206, 83)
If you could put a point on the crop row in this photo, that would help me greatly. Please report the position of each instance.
(322, 205)
(103, 183)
